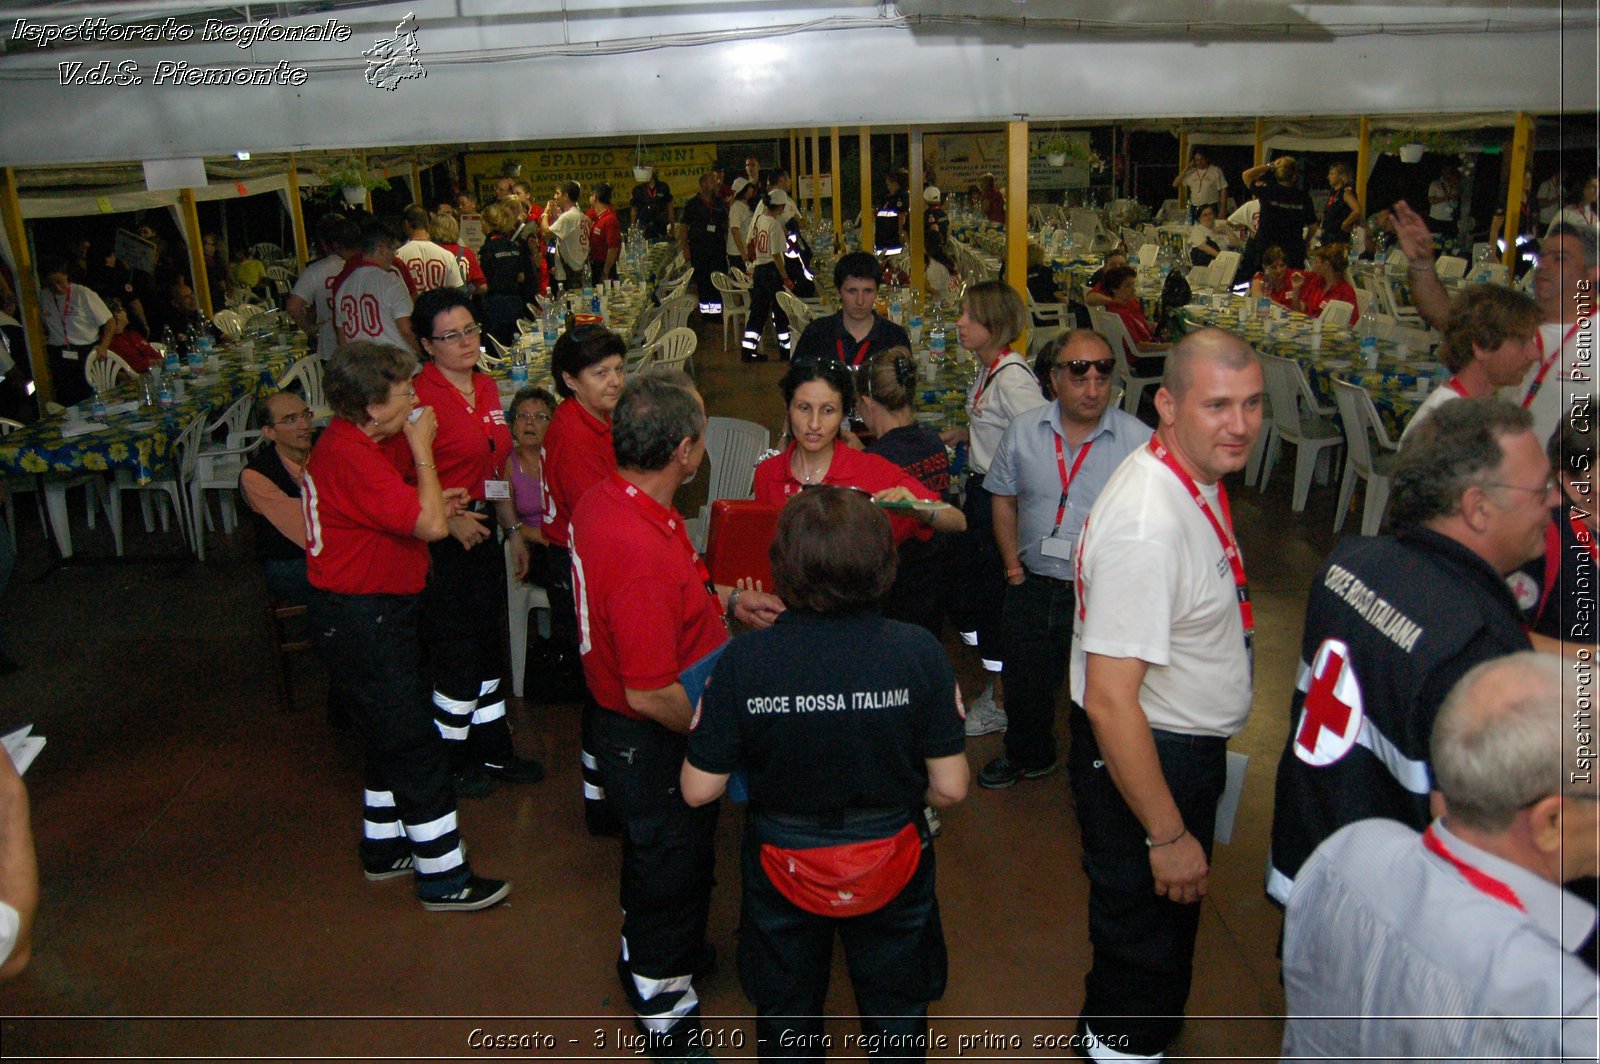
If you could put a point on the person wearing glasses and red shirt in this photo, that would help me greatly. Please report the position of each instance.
(466, 587)
(1046, 474)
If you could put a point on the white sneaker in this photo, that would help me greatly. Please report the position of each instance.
(984, 716)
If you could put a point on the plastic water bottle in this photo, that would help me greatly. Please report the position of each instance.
(897, 310)
(1369, 343)
(1316, 335)
(97, 408)
(915, 328)
(936, 337)
(169, 362)
(197, 359)
(552, 326)
(166, 397)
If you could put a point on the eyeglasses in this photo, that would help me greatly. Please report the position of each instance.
(290, 419)
(1550, 484)
(1080, 367)
(521, 418)
(455, 336)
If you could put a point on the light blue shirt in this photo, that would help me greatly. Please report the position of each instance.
(1025, 466)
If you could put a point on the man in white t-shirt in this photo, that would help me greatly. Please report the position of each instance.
(570, 232)
(370, 301)
(426, 264)
(77, 324)
(1206, 184)
(310, 304)
(1563, 383)
(1161, 677)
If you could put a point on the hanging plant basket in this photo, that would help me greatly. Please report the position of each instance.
(1412, 153)
(1056, 158)
(355, 195)
(642, 173)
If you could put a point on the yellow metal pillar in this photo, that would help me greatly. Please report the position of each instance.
(197, 253)
(914, 223)
(838, 183)
(297, 214)
(869, 240)
(416, 184)
(27, 285)
(1017, 208)
(1183, 161)
(1261, 141)
(1521, 147)
(1364, 163)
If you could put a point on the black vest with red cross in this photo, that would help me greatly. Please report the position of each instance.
(1391, 624)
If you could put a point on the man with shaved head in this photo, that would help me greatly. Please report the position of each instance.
(1161, 677)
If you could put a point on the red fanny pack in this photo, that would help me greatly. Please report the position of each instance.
(845, 880)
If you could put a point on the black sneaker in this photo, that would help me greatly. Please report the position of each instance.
(400, 866)
(479, 893)
(472, 782)
(516, 770)
(1001, 773)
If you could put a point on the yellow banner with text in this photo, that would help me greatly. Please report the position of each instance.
(679, 165)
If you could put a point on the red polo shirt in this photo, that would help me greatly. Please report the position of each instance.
(577, 455)
(360, 516)
(644, 614)
(472, 445)
(850, 468)
(606, 234)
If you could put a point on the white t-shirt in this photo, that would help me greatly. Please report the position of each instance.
(1205, 186)
(738, 219)
(1436, 398)
(571, 231)
(993, 400)
(1445, 209)
(1199, 234)
(74, 319)
(315, 286)
(1570, 384)
(1248, 215)
(770, 239)
(369, 304)
(938, 278)
(1154, 584)
(429, 265)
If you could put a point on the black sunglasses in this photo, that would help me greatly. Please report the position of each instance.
(1080, 367)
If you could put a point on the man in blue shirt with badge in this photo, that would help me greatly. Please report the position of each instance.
(1045, 476)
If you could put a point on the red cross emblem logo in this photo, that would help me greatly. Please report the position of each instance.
(1331, 716)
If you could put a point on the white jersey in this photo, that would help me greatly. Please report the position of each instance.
(429, 265)
(738, 220)
(369, 304)
(1569, 387)
(315, 286)
(571, 231)
(74, 319)
(769, 237)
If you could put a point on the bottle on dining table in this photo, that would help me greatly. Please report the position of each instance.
(936, 334)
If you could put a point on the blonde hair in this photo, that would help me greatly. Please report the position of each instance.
(1337, 256)
(889, 378)
(996, 306)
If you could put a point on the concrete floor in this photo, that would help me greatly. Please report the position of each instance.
(202, 897)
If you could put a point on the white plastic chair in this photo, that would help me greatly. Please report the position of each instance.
(1047, 314)
(1115, 333)
(1224, 269)
(735, 304)
(171, 482)
(1336, 312)
(1450, 267)
(1360, 418)
(102, 370)
(1148, 253)
(798, 311)
(673, 350)
(307, 374)
(521, 598)
(1311, 433)
(675, 311)
(14, 485)
(733, 448)
(219, 470)
(229, 322)
(266, 251)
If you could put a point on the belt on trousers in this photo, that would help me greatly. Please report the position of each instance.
(1057, 581)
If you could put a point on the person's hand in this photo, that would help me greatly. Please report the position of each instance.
(1297, 281)
(519, 557)
(1180, 870)
(455, 501)
(951, 437)
(420, 433)
(1413, 235)
(756, 608)
(901, 493)
(468, 528)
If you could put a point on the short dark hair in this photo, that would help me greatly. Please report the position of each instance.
(862, 264)
(531, 394)
(579, 348)
(1213, 343)
(361, 373)
(329, 231)
(602, 192)
(571, 189)
(415, 217)
(264, 416)
(1450, 450)
(1585, 236)
(828, 370)
(1486, 316)
(656, 411)
(833, 551)
(1113, 278)
(375, 232)
(432, 303)
(1274, 256)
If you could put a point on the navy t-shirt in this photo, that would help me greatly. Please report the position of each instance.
(919, 451)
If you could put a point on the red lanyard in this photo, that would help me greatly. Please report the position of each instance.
(1477, 878)
(1545, 362)
(861, 352)
(1455, 386)
(673, 523)
(1067, 478)
(484, 422)
(65, 310)
(1224, 536)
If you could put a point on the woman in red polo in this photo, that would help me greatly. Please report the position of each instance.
(819, 395)
(367, 532)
